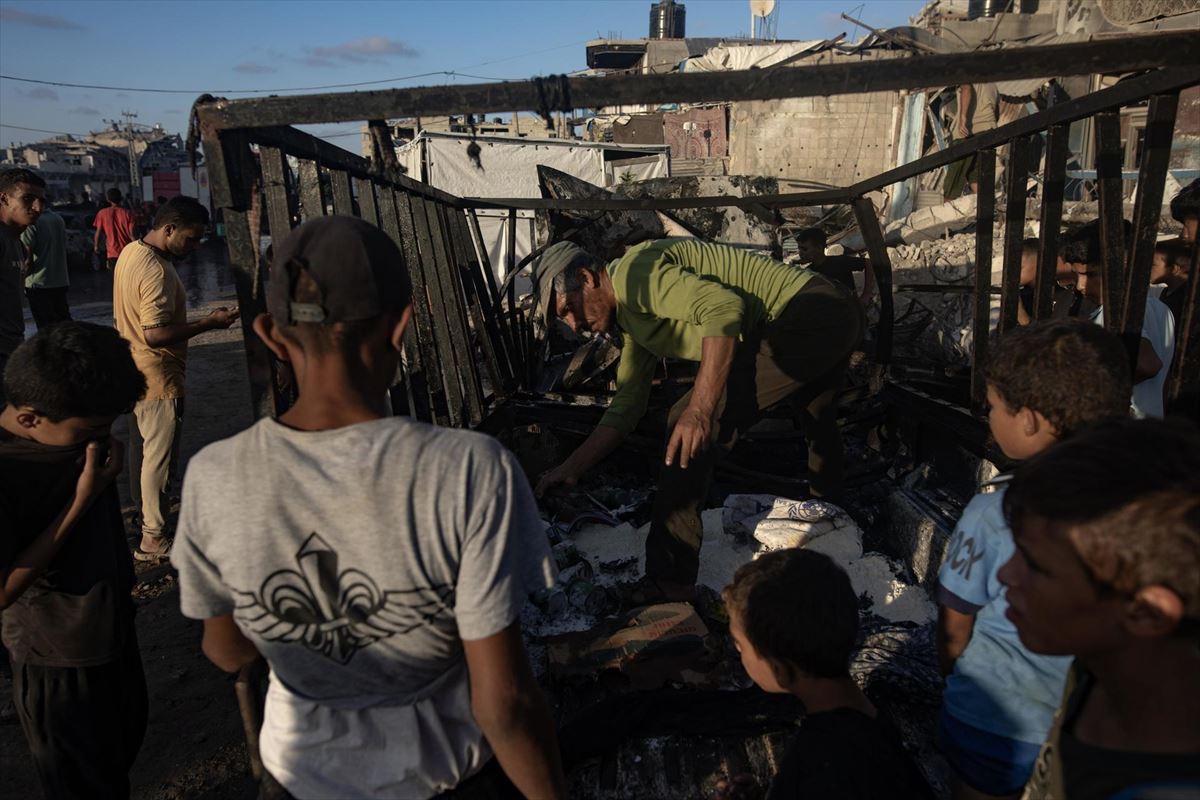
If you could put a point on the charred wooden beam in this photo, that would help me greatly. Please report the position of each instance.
(312, 194)
(1108, 56)
(343, 200)
(425, 366)
(985, 212)
(453, 297)
(1147, 208)
(814, 198)
(236, 184)
(1053, 185)
(439, 309)
(281, 206)
(417, 366)
(368, 209)
(1016, 178)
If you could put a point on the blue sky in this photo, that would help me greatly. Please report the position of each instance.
(223, 45)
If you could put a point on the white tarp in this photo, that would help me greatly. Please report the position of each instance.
(509, 169)
(509, 166)
(726, 57)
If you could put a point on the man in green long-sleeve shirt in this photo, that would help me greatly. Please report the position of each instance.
(762, 332)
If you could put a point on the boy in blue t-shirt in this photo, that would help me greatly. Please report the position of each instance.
(1044, 383)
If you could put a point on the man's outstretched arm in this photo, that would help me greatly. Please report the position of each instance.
(513, 715)
(691, 433)
(167, 335)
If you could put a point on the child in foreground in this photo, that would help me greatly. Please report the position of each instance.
(1045, 382)
(794, 618)
(1107, 569)
(65, 568)
(378, 564)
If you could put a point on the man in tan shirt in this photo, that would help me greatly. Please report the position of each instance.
(150, 309)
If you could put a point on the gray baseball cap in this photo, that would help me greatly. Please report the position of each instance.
(549, 266)
(358, 269)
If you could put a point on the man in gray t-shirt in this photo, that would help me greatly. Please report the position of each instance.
(22, 200)
(378, 564)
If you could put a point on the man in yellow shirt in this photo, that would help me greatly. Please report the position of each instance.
(150, 309)
(762, 332)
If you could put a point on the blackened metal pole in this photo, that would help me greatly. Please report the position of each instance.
(881, 266)
(1109, 186)
(985, 213)
(1053, 183)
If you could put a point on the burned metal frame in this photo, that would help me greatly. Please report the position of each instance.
(460, 320)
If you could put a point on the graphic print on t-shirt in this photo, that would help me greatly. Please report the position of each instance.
(335, 613)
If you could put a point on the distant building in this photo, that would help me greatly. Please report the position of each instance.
(74, 170)
(82, 169)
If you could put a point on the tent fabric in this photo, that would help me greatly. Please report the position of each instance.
(508, 168)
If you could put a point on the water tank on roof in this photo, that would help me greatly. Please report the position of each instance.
(985, 8)
(667, 20)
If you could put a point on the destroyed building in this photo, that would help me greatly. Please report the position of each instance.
(636, 720)
(79, 169)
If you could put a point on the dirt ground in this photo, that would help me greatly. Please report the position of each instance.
(194, 746)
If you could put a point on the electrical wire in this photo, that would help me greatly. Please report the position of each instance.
(450, 73)
(39, 130)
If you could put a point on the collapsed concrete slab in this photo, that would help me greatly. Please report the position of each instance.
(608, 232)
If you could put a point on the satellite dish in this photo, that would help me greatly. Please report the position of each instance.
(761, 8)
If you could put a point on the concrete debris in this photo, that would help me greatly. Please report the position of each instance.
(923, 224)
(603, 232)
(728, 225)
(608, 232)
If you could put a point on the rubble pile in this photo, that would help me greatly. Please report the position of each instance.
(935, 325)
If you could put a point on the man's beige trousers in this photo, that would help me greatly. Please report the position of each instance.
(154, 466)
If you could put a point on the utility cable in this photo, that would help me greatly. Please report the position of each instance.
(39, 130)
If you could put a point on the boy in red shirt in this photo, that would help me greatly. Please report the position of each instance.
(116, 223)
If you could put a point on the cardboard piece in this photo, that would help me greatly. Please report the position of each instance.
(648, 646)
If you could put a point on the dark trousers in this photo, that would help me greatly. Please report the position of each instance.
(84, 725)
(48, 306)
(803, 355)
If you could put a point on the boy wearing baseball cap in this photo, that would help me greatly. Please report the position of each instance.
(378, 564)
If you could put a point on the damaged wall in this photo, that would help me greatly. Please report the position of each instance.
(834, 140)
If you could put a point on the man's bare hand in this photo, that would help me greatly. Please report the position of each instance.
(689, 437)
(102, 463)
(223, 317)
(561, 475)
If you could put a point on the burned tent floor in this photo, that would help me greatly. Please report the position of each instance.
(653, 701)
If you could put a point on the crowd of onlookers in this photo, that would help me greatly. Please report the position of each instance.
(379, 565)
